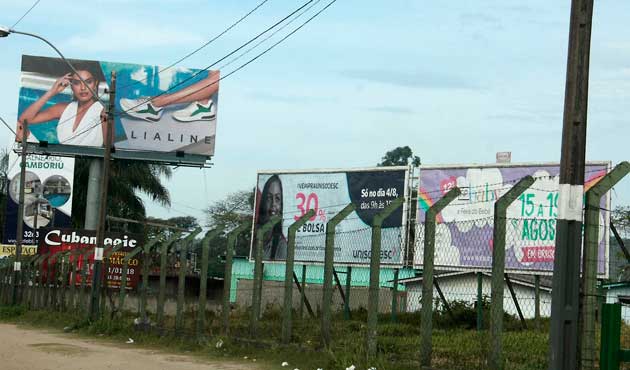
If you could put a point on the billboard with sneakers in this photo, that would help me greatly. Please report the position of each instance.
(166, 110)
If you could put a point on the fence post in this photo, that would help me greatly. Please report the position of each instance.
(586, 337)
(498, 270)
(375, 272)
(227, 278)
(288, 276)
(303, 292)
(84, 276)
(426, 315)
(146, 262)
(258, 273)
(75, 254)
(395, 297)
(329, 256)
(203, 278)
(346, 309)
(181, 281)
(123, 279)
(479, 301)
(162, 292)
(537, 301)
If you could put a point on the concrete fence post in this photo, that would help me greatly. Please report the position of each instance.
(203, 278)
(495, 361)
(588, 299)
(288, 276)
(426, 315)
(329, 256)
(258, 273)
(375, 272)
(227, 278)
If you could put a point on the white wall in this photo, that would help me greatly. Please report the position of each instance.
(464, 288)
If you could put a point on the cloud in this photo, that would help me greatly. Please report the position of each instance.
(418, 79)
(120, 34)
(391, 109)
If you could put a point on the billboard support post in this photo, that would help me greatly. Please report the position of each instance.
(227, 278)
(203, 277)
(288, 275)
(375, 274)
(329, 260)
(588, 349)
(258, 273)
(499, 231)
(20, 223)
(102, 209)
(426, 316)
(563, 334)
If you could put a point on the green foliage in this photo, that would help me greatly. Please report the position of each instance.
(399, 156)
(127, 180)
(10, 312)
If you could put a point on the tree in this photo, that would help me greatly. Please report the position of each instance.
(237, 208)
(399, 156)
(127, 179)
(181, 222)
(620, 217)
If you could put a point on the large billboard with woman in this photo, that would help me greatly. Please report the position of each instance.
(291, 194)
(168, 110)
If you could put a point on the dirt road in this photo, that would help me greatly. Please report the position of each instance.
(22, 349)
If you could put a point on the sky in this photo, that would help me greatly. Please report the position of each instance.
(455, 80)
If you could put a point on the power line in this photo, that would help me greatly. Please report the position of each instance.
(202, 46)
(25, 14)
(9, 127)
(220, 60)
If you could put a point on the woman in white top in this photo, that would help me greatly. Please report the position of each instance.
(80, 121)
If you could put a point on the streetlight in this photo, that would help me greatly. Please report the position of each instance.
(94, 170)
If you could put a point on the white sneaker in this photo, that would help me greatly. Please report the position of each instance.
(141, 108)
(196, 111)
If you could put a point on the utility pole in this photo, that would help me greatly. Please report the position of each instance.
(19, 234)
(100, 231)
(566, 274)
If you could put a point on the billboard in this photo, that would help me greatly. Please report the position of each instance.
(292, 194)
(7, 250)
(55, 240)
(465, 227)
(47, 195)
(157, 110)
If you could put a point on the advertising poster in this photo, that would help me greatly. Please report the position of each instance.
(292, 194)
(83, 241)
(465, 227)
(157, 109)
(7, 250)
(47, 195)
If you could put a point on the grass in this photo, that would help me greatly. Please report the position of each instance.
(455, 346)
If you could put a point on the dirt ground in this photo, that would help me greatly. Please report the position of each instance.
(32, 349)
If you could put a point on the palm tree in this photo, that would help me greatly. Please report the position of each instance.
(127, 179)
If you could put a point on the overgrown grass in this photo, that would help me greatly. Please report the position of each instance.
(455, 344)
